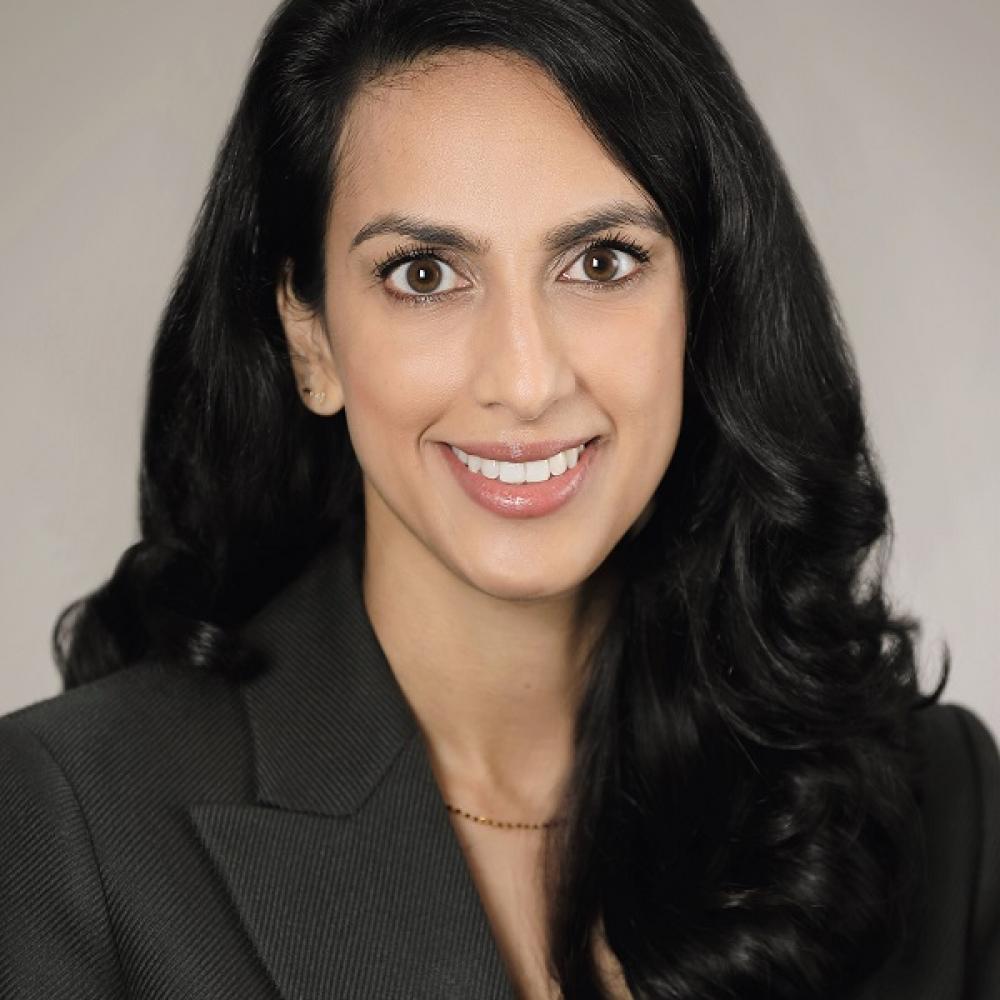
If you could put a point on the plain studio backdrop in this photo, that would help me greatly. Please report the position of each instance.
(883, 112)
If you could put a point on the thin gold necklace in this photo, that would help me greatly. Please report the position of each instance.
(502, 823)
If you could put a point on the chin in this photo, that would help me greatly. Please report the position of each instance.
(519, 579)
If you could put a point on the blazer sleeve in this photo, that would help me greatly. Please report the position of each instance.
(984, 944)
(55, 934)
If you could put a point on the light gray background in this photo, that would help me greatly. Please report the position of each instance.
(881, 109)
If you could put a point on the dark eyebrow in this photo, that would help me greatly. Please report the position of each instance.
(617, 213)
(563, 237)
(420, 229)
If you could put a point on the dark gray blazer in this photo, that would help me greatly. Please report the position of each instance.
(166, 833)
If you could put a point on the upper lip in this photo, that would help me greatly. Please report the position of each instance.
(518, 451)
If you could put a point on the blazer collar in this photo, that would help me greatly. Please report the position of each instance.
(345, 869)
(327, 715)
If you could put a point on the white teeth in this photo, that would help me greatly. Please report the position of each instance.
(516, 473)
(512, 472)
(537, 472)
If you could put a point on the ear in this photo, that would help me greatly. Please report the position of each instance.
(313, 364)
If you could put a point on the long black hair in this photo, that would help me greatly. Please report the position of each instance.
(743, 798)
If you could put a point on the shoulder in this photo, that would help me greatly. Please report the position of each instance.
(960, 759)
(153, 721)
(981, 760)
(960, 809)
(95, 784)
(954, 728)
(959, 787)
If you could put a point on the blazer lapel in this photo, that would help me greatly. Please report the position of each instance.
(345, 869)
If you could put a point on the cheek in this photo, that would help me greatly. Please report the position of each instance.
(637, 366)
(395, 385)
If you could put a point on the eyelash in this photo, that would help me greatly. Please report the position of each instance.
(618, 241)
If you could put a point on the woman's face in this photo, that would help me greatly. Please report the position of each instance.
(507, 333)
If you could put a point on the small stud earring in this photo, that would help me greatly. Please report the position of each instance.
(317, 396)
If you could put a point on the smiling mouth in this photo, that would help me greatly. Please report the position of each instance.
(515, 473)
(525, 489)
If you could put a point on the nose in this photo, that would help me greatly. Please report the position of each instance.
(521, 360)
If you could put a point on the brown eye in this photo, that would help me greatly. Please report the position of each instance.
(603, 265)
(600, 264)
(423, 275)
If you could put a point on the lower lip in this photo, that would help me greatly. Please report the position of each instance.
(524, 499)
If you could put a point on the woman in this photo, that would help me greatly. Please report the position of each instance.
(504, 621)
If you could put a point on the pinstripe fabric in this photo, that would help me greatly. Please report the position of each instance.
(328, 716)
(136, 748)
(69, 907)
(348, 906)
(166, 833)
(347, 875)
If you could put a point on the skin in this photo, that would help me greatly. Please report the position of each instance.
(480, 616)
(478, 609)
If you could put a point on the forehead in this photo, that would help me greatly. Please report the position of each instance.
(478, 137)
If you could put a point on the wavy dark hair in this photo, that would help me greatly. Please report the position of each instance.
(743, 800)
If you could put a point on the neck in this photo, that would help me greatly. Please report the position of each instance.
(494, 684)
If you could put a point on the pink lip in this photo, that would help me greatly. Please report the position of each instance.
(525, 451)
(525, 499)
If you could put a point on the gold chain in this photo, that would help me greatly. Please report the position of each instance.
(502, 823)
